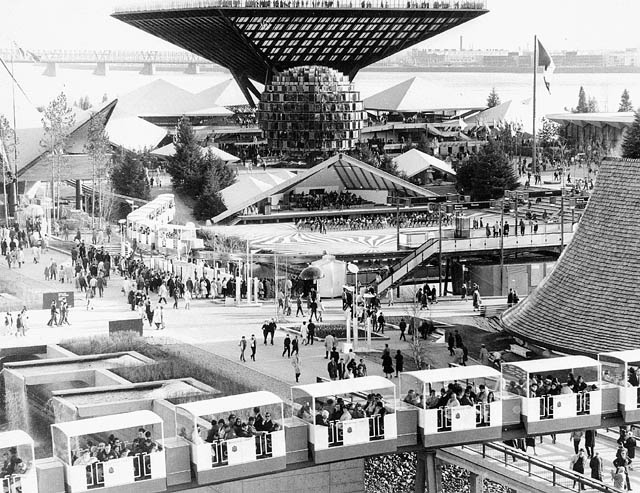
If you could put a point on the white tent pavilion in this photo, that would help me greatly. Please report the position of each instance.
(170, 150)
(414, 161)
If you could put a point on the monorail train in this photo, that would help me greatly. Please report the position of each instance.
(234, 437)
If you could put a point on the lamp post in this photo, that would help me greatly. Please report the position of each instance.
(354, 269)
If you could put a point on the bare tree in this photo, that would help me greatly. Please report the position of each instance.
(57, 120)
(97, 147)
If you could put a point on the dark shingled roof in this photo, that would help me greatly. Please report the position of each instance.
(589, 303)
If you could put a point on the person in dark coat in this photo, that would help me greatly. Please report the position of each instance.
(451, 342)
(399, 362)
(287, 346)
(590, 441)
(387, 365)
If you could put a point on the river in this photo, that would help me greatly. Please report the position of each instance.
(447, 89)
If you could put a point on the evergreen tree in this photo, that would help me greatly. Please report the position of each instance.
(582, 107)
(625, 102)
(210, 202)
(216, 169)
(128, 175)
(186, 166)
(486, 175)
(592, 106)
(548, 134)
(493, 99)
(631, 144)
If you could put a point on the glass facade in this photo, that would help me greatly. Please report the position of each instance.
(309, 109)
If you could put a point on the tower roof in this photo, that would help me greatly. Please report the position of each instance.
(256, 38)
(589, 302)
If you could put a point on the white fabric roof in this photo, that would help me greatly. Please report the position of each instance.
(13, 438)
(170, 150)
(108, 423)
(455, 373)
(628, 355)
(554, 364)
(252, 184)
(210, 111)
(230, 403)
(134, 133)
(338, 387)
(414, 161)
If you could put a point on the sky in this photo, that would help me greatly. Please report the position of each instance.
(510, 24)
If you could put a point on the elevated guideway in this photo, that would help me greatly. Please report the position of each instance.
(431, 247)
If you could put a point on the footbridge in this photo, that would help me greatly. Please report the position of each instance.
(551, 239)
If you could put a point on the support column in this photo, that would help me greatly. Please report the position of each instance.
(102, 69)
(428, 476)
(12, 200)
(79, 195)
(238, 292)
(476, 483)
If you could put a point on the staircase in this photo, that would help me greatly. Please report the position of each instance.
(408, 264)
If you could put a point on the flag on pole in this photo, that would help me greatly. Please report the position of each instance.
(545, 60)
(26, 54)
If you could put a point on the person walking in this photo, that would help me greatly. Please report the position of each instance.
(187, 300)
(294, 345)
(21, 323)
(381, 322)
(90, 294)
(577, 464)
(295, 362)
(403, 327)
(64, 314)
(243, 348)
(576, 437)
(451, 343)
(54, 314)
(253, 344)
(332, 369)
(399, 362)
(287, 346)
(623, 462)
(312, 333)
(483, 356)
(304, 333)
(8, 324)
(158, 317)
(299, 309)
(597, 465)
(590, 441)
(329, 341)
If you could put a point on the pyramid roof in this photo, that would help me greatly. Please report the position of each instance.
(413, 95)
(226, 93)
(340, 168)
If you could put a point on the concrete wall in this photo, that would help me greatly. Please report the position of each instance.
(340, 477)
(15, 400)
(523, 277)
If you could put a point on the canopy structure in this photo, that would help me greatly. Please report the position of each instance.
(339, 387)
(414, 161)
(170, 150)
(628, 355)
(33, 163)
(340, 171)
(230, 403)
(459, 373)
(604, 258)
(542, 366)
(251, 185)
(14, 437)
(519, 113)
(414, 95)
(133, 133)
(108, 423)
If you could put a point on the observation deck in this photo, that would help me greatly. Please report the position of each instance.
(255, 39)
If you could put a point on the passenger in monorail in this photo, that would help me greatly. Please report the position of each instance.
(113, 448)
(12, 464)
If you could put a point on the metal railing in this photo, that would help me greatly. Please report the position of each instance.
(219, 454)
(376, 427)
(547, 405)
(95, 475)
(147, 6)
(539, 469)
(483, 416)
(264, 446)
(12, 484)
(141, 467)
(404, 268)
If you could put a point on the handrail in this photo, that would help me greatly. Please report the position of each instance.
(164, 5)
(511, 453)
(390, 279)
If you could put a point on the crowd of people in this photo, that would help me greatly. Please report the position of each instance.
(374, 221)
(333, 411)
(233, 426)
(327, 200)
(114, 448)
